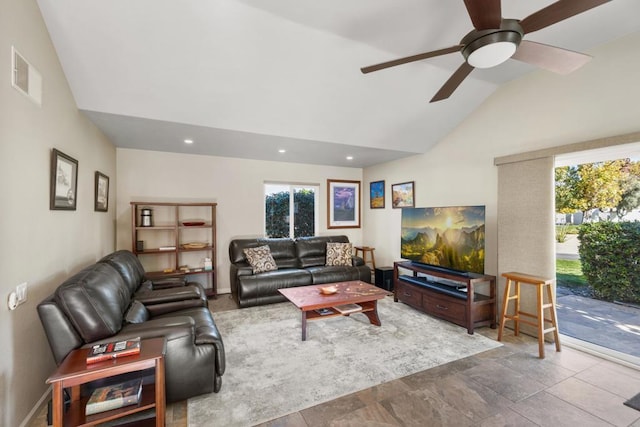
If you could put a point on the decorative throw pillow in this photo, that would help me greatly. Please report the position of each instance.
(260, 259)
(339, 254)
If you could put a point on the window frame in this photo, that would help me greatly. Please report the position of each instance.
(291, 187)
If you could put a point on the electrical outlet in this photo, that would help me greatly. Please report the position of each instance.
(12, 301)
(21, 292)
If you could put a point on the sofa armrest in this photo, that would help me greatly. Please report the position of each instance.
(236, 270)
(357, 261)
(60, 333)
(168, 282)
(173, 306)
(168, 327)
(241, 269)
(158, 296)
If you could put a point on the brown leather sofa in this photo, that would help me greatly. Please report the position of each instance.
(300, 262)
(104, 303)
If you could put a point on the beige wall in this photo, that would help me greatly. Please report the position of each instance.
(37, 245)
(237, 186)
(537, 111)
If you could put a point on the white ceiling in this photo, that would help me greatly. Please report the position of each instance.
(244, 78)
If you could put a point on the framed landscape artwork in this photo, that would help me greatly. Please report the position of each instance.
(402, 195)
(101, 203)
(376, 195)
(63, 182)
(343, 204)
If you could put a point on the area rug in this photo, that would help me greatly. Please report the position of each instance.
(634, 402)
(271, 372)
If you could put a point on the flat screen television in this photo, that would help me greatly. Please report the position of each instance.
(447, 237)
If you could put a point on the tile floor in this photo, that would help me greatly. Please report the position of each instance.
(507, 386)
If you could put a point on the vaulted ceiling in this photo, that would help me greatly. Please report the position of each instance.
(246, 78)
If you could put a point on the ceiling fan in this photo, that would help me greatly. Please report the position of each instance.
(495, 39)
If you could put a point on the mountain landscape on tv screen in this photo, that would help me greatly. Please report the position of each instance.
(446, 237)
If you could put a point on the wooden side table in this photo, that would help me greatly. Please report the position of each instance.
(74, 371)
(366, 250)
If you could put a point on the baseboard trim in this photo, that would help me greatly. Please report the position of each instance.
(34, 411)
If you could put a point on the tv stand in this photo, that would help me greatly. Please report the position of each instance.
(449, 295)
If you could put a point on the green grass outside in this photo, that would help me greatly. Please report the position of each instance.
(569, 274)
(570, 228)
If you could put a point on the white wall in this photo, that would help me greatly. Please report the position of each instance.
(37, 245)
(237, 185)
(540, 110)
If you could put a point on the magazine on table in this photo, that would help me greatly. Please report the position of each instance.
(114, 396)
(348, 308)
(111, 350)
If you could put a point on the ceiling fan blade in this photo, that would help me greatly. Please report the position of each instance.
(485, 14)
(412, 58)
(452, 84)
(550, 58)
(557, 12)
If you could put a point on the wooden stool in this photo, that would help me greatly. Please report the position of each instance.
(540, 283)
(365, 250)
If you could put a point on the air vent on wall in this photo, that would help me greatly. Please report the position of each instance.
(25, 78)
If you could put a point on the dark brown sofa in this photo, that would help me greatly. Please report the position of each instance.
(300, 262)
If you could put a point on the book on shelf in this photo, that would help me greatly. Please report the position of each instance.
(114, 396)
(324, 311)
(111, 350)
(348, 308)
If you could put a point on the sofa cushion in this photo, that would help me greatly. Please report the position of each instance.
(339, 254)
(283, 251)
(320, 275)
(312, 251)
(252, 288)
(260, 259)
(136, 313)
(129, 267)
(94, 300)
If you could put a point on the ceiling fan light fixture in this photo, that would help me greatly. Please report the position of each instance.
(491, 55)
(486, 49)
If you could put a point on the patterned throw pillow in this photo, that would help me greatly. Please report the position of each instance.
(260, 259)
(339, 254)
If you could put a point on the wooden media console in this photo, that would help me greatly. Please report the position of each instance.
(466, 299)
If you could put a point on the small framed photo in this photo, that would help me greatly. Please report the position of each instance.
(101, 203)
(63, 182)
(343, 204)
(376, 195)
(402, 195)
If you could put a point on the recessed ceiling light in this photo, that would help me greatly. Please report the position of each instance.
(188, 141)
(282, 151)
(349, 157)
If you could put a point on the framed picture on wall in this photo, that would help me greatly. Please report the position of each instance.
(402, 195)
(376, 195)
(63, 182)
(343, 204)
(101, 202)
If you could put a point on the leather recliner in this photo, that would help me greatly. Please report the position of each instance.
(96, 306)
(158, 296)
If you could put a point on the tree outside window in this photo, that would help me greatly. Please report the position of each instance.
(290, 210)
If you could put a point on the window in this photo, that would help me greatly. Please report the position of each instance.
(291, 210)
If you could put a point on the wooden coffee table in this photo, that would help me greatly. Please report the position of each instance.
(309, 299)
